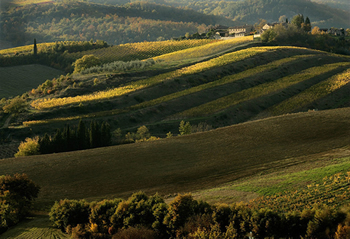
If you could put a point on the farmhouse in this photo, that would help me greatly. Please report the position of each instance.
(230, 32)
(239, 31)
(272, 25)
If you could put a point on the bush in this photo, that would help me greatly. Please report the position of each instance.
(102, 212)
(29, 147)
(69, 213)
(16, 196)
(137, 210)
(85, 62)
(185, 128)
(135, 232)
(15, 106)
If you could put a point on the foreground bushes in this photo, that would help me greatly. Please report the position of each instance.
(16, 195)
(142, 216)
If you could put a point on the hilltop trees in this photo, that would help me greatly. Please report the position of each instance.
(86, 62)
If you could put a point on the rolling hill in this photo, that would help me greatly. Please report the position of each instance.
(27, 76)
(186, 163)
(321, 12)
(222, 90)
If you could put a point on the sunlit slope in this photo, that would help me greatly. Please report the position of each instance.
(227, 89)
(185, 163)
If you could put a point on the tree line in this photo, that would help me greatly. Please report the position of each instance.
(298, 33)
(82, 21)
(143, 216)
(83, 136)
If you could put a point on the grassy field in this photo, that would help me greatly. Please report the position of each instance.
(17, 80)
(187, 163)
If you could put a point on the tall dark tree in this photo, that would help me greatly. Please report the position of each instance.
(105, 134)
(45, 145)
(81, 135)
(35, 48)
(307, 25)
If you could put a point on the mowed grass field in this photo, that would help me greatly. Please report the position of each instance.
(186, 163)
(17, 80)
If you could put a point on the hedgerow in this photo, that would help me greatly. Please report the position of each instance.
(304, 214)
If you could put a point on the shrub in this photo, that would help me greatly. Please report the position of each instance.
(29, 147)
(69, 213)
(102, 212)
(16, 195)
(85, 62)
(137, 210)
(15, 106)
(135, 232)
(180, 210)
(185, 128)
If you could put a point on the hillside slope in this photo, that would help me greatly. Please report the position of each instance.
(186, 163)
(222, 90)
(78, 20)
(320, 12)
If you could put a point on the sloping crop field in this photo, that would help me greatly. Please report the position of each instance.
(142, 50)
(223, 90)
(185, 163)
(16, 80)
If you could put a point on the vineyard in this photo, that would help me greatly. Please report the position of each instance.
(138, 85)
(226, 81)
(312, 94)
(140, 51)
(263, 89)
(333, 191)
(204, 51)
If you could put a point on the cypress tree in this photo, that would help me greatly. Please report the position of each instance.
(105, 134)
(92, 134)
(81, 135)
(58, 142)
(35, 48)
(45, 144)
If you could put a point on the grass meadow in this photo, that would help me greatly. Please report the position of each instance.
(26, 76)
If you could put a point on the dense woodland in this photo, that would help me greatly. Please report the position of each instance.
(132, 21)
(114, 24)
(250, 11)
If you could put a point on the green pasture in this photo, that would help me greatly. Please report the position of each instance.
(16, 80)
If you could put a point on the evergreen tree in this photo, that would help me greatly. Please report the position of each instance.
(105, 134)
(45, 145)
(35, 48)
(57, 142)
(81, 135)
(307, 25)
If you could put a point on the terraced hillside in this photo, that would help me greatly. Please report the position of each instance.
(223, 88)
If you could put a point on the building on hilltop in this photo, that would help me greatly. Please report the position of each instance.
(268, 26)
(241, 30)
